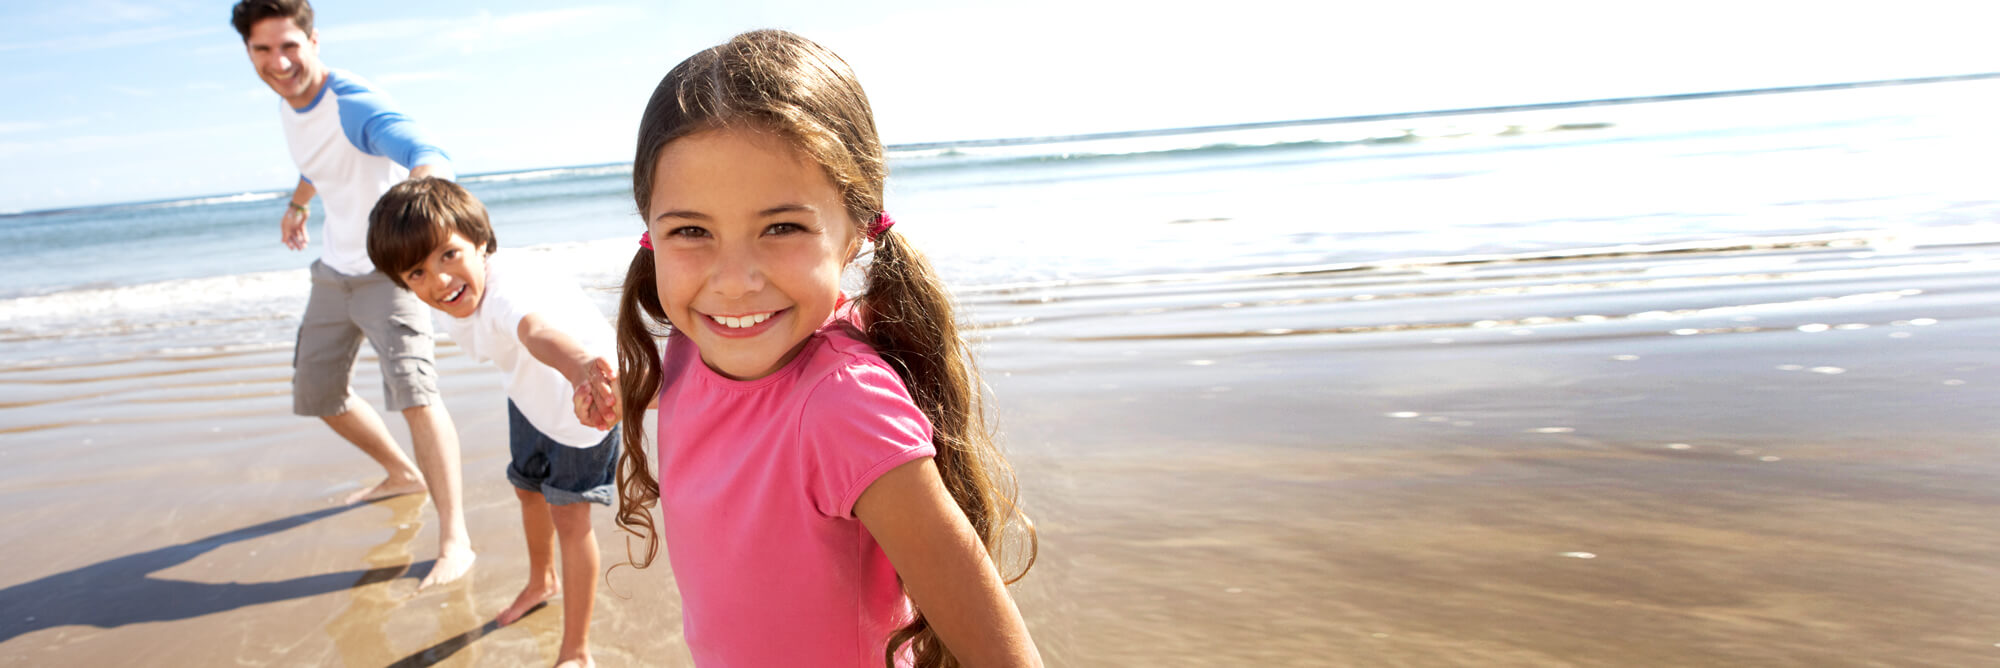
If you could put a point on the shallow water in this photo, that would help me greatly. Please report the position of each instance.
(1891, 167)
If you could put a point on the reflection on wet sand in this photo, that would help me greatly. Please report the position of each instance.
(1547, 484)
(360, 630)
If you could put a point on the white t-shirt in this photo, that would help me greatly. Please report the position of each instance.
(516, 287)
(352, 145)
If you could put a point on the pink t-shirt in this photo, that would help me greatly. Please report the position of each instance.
(758, 481)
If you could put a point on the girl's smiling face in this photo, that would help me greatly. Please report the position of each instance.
(749, 239)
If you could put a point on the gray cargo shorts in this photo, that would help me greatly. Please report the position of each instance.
(340, 312)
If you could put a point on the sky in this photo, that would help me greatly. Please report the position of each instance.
(113, 101)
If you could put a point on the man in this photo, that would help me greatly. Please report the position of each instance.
(350, 146)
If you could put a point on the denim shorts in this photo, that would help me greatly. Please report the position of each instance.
(562, 474)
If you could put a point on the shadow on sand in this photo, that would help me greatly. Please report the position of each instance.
(122, 591)
(432, 655)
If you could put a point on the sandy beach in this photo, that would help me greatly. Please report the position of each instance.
(1761, 456)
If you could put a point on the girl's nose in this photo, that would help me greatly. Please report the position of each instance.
(738, 271)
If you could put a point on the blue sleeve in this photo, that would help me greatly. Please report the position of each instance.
(377, 128)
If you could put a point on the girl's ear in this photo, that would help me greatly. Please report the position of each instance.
(853, 249)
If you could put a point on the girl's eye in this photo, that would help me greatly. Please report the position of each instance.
(777, 229)
(450, 254)
(687, 232)
(415, 274)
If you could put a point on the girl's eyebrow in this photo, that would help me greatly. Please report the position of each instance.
(681, 213)
(785, 208)
(773, 211)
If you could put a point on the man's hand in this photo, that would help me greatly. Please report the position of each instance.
(292, 229)
(596, 397)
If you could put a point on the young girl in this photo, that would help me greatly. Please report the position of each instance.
(828, 490)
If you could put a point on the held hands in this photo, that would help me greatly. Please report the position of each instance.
(292, 229)
(596, 397)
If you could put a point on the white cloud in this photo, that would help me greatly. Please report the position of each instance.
(215, 47)
(114, 39)
(80, 144)
(479, 32)
(393, 29)
(101, 12)
(111, 11)
(9, 127)
(404, 77)
(491, 33)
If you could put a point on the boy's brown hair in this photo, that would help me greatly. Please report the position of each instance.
(416, 217)
(248, 12)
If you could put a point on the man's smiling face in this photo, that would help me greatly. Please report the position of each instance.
(286, 58)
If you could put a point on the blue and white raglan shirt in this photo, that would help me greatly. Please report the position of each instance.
(352, 144)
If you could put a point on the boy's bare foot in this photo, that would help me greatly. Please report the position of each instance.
(387, 488)
(583, 661)
(531, 596)
(451, 565)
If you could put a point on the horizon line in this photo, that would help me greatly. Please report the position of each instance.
(1200, 129)
(1461, 111)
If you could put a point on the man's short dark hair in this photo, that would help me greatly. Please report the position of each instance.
(416, 217)
(248, 12)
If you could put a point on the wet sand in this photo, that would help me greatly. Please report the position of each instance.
(1755, 457)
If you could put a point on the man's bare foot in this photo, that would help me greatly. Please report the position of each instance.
(451, 565)
(531, 596)
(385, 489)
(582, 661)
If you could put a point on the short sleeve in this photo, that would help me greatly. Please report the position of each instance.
(858, 424)
(506, 307)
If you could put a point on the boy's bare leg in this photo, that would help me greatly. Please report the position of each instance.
(360, 425)
(436, 443)
(579, 575)
(542, 581)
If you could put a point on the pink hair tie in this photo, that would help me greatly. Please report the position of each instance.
(646, 240)
(882, 224)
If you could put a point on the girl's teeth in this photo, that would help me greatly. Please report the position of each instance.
(734, 322)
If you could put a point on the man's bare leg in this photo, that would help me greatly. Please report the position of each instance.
(360, 425)
(436, 443)
(541, 533)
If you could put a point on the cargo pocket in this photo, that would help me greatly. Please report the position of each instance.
(408, 371)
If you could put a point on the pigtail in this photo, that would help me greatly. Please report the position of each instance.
(783, 82)
(907, 315)
(641, 321)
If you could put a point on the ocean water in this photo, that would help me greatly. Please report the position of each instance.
(1887, 167)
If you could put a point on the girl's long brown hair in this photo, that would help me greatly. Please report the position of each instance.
(785, 83)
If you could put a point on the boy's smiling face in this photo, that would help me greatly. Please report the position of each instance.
(453, 278)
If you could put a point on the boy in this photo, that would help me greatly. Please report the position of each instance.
(432, 237)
